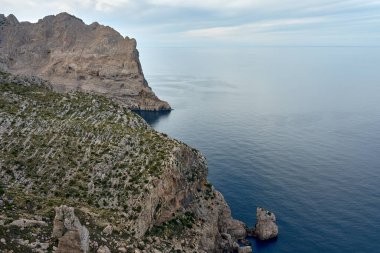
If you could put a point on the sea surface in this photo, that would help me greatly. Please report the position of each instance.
(295, 130)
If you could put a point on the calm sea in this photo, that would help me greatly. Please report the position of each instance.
(294, 130)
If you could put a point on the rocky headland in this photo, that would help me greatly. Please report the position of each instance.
(80, 172)
(74, 56)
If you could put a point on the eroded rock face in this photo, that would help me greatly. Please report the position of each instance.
(76, 56)
(72, 236)
(266, 227)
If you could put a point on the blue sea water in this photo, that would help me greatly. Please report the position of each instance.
(295, 130)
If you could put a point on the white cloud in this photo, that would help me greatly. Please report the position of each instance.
(263, 5)
(207, 4)
(222, 6)
(255, 27)
(110, 5)
(191, 20)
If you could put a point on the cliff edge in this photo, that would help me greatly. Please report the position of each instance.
(74, 56)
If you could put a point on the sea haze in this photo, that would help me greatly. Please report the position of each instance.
(295, 130)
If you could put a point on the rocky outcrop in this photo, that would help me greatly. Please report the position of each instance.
(266, 227)
(121, 184)
(74, 56)
(72, 236)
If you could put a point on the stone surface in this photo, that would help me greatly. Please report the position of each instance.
(76, 56)
(266, 227)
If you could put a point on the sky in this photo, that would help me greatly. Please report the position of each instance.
(221, 23)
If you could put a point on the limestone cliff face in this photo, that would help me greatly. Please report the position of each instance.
(82, 168)
(75, 56)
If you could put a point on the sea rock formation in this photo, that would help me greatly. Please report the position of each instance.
(99, 178)
(266, 227)
(74, 56)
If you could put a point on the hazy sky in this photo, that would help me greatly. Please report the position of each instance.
(221, 22)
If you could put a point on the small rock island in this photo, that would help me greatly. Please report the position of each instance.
(266, 227)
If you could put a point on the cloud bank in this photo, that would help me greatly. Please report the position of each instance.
(222, 22)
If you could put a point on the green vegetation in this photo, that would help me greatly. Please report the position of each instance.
(209, 193)
(3, 74)
(174, 227)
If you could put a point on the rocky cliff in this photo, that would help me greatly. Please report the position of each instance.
(82, 173)
(74, 56)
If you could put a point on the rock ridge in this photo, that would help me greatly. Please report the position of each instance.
(74, 56)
